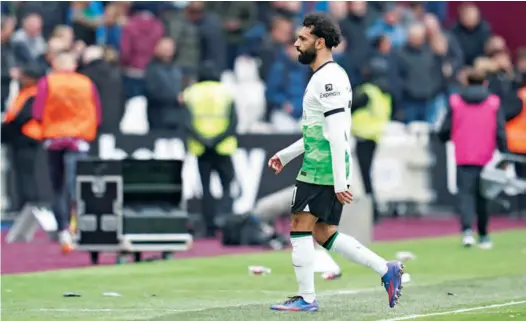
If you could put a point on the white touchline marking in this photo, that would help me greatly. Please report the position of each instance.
(483, 307)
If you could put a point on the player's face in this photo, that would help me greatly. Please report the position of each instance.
(306, 45)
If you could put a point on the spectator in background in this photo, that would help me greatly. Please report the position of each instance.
(67, 105)
(108, 81)
(503, 84)
(371, 109)
(290, 9)
(439, 46)
(337, 9)
(186, 36)
(8, 62)
(286, 84)
(475, 124)
(65, 34)
(140, 35)
(23, 134)
(338, 53)
(53, 13)
(494, 45)
(382, 55)
(273, 44)
(87, 18)
(354, 30)
(54, 47)
(453, 55)
(114, 20)
(471, 32)
(164, 83)
(421, 76)
(438, 9)
(28, 43)
(413, 13)
(237, 17)
(210, 31)
(389, 25)
(516, 131)
(521, 63)
(211, 121)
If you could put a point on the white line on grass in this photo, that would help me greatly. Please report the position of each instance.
(483, 307)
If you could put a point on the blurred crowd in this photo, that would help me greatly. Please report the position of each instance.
(155, 50)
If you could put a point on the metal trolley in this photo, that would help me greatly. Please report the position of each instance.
(497, 178)
(129, 207)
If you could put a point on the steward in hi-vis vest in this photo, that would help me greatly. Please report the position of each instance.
(211, 125)
(371, 111)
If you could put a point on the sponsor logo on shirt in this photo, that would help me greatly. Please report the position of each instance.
(330, 94)
(328, 87)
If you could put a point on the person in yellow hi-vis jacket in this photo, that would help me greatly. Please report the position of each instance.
(211, 123)
(371, 111)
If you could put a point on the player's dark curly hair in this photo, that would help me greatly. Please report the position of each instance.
(324, 27)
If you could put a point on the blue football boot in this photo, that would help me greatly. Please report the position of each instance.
(296, 304)
(392, 281)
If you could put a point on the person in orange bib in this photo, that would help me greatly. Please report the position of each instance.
(67, 105)
(516, 133)
(23, 134)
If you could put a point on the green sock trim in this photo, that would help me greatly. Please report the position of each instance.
(328, 244)
(294, 235)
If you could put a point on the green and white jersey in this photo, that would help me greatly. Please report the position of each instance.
(328, 93)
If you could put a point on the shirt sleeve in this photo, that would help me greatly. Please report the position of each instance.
(335, 100)
(96, 101)
(286, 155)
(40, 99)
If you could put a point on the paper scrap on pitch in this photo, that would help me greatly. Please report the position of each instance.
(405, 256)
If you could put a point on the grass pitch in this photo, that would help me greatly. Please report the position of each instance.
(449, 283)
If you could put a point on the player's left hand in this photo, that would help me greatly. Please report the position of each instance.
(275, 164)
(344, 197)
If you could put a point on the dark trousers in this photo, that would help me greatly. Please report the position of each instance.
(23, 161)
(62, 170)
(520, 200)
(133, 87)
(470, 201)
(365, 153)
(207, 163)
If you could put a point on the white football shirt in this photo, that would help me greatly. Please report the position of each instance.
(328, 93)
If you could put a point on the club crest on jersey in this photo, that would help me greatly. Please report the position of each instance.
(328, 87)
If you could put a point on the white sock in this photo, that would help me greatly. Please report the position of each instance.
(303, 262)
(352, 250)
(64, 237)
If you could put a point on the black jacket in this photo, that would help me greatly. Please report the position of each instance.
(12, 131)
(475, 95)
(108, 80)
(420, 73)
(163, 83)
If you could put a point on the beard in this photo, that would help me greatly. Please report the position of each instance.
(307, 57)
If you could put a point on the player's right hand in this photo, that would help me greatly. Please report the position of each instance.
(344, 197)
(275, 164)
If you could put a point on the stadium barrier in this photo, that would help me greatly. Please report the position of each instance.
(404, 167)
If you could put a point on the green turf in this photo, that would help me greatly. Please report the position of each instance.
(221, 289)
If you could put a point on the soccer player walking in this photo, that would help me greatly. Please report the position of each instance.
(322, 186)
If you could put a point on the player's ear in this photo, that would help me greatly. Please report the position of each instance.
(320, 42)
